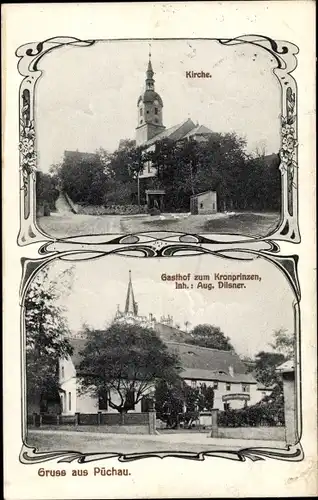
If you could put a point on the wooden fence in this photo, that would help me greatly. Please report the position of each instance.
(116, 421)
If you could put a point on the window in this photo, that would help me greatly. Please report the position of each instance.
(156, 120)
(62, 372)
(147, 111)
(102, 401)
(228, 386)
(156, 111)
(215, 385)
(140, 111)
(226, 406)
(62, 402)
(140, 122)
(69, 401)
(245, 388)
(201, 205)
(213, 206)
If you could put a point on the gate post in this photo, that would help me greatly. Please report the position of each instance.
(214, 421)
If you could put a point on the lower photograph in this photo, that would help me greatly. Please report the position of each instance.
(172, 356)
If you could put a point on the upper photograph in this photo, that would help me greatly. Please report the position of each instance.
(162, 135)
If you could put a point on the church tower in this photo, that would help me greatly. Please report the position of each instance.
(149, 109)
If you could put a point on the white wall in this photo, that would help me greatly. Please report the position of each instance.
(236, 388)
(81, 403)
(68, 385)
(209, 202)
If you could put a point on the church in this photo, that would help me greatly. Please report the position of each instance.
(223, 370)
(150, 129)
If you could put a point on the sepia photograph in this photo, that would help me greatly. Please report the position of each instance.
(135, 136)
(185, 355)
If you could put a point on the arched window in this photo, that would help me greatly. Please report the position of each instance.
(156, 111)
(140, 111)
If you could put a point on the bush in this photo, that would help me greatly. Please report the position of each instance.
(251, 416)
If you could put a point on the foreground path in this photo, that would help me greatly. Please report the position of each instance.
(135, 443)
(66, 225)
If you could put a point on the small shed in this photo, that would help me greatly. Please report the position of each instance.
(204, 203)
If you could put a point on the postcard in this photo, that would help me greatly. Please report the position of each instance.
(159, 250)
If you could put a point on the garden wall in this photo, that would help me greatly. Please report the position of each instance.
(268, 433)
(110, 210)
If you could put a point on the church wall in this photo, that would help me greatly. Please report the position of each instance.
(146, 132)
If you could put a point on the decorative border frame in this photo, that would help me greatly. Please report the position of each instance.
(161, 243)
(283, 53)
(287, 265)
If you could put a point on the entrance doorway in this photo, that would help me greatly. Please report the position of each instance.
(155, 199)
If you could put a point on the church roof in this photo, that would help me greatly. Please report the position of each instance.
(174, 133)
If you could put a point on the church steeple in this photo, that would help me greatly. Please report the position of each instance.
(149, 106)
(150, 82)
(131, 305)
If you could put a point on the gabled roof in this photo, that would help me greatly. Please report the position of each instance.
(174, 133)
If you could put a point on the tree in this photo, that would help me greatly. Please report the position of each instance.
(46, 330)
(123, 363)
(265, 367)
(84, 178)
(46, 191)
(209, 336)
(284, 343)
(179, 402)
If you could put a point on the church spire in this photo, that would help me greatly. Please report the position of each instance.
(131, 305)
(149, 73)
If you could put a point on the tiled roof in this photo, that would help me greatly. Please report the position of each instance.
(197, 374)
(200, 363)
(194, 357)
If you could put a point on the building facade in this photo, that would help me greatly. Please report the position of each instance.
(222, 370)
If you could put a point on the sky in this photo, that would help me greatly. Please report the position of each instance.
(248, 316)
(87, 96)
